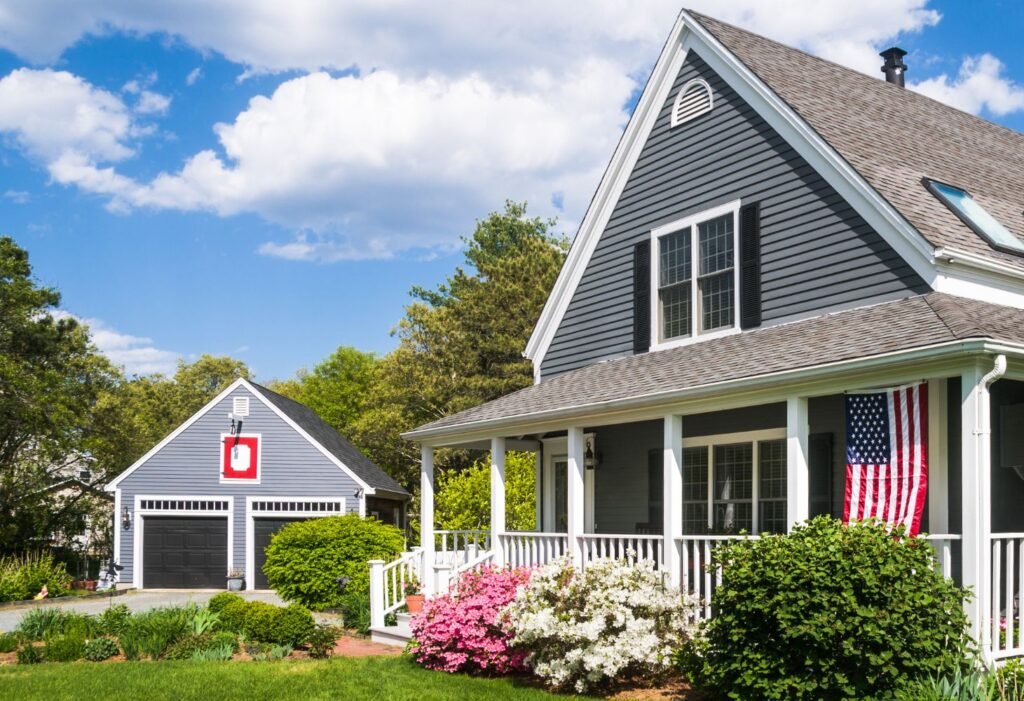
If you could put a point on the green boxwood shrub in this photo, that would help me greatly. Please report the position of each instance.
(260, 621)
(305, 559)
(829, 612)
(292, 625)
(99, 649)
(218, 601)
(232, 616)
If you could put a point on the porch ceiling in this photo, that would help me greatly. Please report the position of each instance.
(778, 353)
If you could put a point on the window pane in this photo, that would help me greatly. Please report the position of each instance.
(734, 481)
(715, 244)
(695, 491)
(771, 468)
(966, 206)
(674, 258)
(716, 300)
(675, 311)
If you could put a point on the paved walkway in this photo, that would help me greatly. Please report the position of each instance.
(136, 601)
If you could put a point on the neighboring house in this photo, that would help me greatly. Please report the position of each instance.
(773, 231)
(207, 498)
(85, 546)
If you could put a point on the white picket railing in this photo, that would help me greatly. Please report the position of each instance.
(1006, 631)
(529, 549)
(596, 546)
(453, 547)
(388, 582)
(942, 544)
(695, 578)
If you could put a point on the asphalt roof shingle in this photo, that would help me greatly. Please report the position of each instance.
(906, 324)
(332, 441)
(894, 137)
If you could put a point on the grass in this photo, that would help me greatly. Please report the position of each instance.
(350, 678)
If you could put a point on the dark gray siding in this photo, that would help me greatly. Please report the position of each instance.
(621, 481)
(189, 465)
(817, 253)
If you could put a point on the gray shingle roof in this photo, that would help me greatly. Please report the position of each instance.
(332, 441)
(906, 324)
(893, 137)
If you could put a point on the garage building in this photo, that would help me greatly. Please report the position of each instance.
(208, 498)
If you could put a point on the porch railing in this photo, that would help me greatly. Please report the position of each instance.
(528, 549)
(453, 547)
(942, 544)
(1005, 624)
(388, 582)
(696, 579)
(595, 546)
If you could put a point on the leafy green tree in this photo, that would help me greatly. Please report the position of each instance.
(133, 416)
(50, 379)
(463, 500)
(461, 344)
(337, 389)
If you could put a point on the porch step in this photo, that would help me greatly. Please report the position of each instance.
(397, 635)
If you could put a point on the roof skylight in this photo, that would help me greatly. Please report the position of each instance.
(975, 216)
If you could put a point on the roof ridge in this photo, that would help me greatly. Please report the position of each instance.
(701, 17)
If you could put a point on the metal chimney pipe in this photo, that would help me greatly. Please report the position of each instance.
(894, 68)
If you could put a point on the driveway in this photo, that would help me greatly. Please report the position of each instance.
(136, 601)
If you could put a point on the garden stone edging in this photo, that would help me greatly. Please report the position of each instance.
(61, 599)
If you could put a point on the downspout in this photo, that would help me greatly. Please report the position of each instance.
(983, 460)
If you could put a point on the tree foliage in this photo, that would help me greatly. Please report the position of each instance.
(461, 344)
(50, 379)
(463, 500)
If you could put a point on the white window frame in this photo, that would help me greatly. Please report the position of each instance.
(139, 521)
(557, 450)
(752, 437)
(252, 513)
(691, 222)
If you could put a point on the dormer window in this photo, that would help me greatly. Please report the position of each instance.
(694, 274)
(693, 100)
(975, 216)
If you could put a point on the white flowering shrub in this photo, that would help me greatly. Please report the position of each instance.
(585, 629)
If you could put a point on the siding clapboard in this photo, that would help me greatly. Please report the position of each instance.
(190, 465)
(817, 253)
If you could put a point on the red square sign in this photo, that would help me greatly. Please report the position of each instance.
(240, 457)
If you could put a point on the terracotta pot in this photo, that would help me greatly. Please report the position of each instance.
(414, 602)
(90, 585)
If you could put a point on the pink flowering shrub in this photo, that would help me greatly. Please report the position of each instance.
(459, 633)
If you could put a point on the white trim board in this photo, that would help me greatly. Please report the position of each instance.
(240, 382)
(688, 34)
(139, 518)
(252, 514)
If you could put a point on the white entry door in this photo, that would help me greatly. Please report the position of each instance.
(555, 493)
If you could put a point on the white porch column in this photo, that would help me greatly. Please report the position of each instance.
(577, 478)
(797, 471)
(938, 463)
(497, 499)
(427, 518)
(672, 498)
(976, 493)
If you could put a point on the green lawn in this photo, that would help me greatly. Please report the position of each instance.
(351, 679)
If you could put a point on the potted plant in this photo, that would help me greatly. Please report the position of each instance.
(236, 579)
(413, 596)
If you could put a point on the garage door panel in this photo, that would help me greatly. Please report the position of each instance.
(181, 552)
(263, 531)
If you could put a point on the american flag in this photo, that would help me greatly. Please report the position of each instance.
(887, 456)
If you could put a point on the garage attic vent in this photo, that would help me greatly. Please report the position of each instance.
(693, 100)
(241, 407)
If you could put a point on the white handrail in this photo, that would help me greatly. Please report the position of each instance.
(529, 549)
(696, 578)
(1004, 634)
(597, 546)
(388, 583)
(453, 546)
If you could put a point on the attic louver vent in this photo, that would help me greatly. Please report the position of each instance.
(693, 100)
(241, 406)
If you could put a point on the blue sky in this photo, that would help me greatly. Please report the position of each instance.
(354, 146)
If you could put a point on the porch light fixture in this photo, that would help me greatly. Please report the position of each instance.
(591, 459)
(358, 494)
(126, 518)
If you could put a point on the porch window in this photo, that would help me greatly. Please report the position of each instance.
(735, 483)
(695, 275)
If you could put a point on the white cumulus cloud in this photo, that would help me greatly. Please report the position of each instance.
(137, 355)
(979, 86)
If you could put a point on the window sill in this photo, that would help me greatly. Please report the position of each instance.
(690, 340)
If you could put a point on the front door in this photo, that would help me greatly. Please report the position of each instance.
(556, 490)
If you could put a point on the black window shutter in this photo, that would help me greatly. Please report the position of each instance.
(642, 297)
(819, 459)
(750, 265)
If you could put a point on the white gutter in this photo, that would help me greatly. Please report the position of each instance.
(949, 348)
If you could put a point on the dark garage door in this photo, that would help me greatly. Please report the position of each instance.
(263, 529)
(180, 552)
